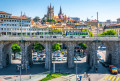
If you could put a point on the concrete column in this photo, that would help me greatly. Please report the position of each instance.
(70, 56)
(48, 59)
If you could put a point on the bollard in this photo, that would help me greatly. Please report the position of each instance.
(30, 76)
(84, 74)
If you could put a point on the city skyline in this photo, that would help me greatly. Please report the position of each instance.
(82, 9)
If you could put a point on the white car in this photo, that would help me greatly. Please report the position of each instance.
(54, 59)
(64, 58)
(59, 59)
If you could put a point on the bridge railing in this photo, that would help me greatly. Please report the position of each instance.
(7, 37)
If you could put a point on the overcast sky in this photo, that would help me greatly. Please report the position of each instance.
(108, 9)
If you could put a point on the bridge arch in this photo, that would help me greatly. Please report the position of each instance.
(6, 53)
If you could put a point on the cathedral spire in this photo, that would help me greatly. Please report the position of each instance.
(60, 10)
(50, 5)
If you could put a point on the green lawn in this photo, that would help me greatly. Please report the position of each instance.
(54, 75)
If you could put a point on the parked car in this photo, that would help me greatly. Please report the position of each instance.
(75, 59)
(43, 59)
(41, 55)
(59, 59)
(54, 59)
(65, 55)
(101, 60)
(79, 58)
(58, 55)
(113, 69)
(34, 59)
(105, 64)
(40, 59)
(64, 58)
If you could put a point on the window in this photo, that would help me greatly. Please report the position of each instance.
(4, 24)
(12, 24)
(1, 24)
(3, 15)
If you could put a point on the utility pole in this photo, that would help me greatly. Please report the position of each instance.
(21, 28)
(96, 45)
(97, 26)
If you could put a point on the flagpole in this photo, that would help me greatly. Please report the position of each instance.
(21, 28)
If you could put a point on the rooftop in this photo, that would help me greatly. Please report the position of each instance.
(23, 17)
(93, 21)
(1, 12)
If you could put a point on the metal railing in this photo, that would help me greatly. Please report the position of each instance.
(35, 38)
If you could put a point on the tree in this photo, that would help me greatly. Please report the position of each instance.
(56, 47)
(36, 19)
(44, 20)
(90, 33)
(52, 21)
(38, 47)
(55, 30)
(109, 32)
(83, 46)
(15, 49)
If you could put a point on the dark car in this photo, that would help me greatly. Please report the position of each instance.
(105, 64)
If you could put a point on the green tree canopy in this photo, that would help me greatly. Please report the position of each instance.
(83, 46)
(38, 47)
(109, 32)
(90, 33)
(52, 21)
(36, 19)
(55, 30)
(15, 49)
(56, 47)
(44, 20)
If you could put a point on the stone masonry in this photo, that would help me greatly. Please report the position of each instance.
(112, 50)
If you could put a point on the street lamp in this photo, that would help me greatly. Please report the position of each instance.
(76, 64)
(19, 66)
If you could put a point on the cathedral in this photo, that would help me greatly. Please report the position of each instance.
(60, 18)
(50, 13)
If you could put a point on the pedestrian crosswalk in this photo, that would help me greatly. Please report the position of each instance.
(112, 78)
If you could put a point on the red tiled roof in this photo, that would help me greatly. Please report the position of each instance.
(16, 17)
(113, 25)
(1, 12)
(93, 21)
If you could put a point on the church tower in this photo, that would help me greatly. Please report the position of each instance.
(50, 13)
(60, 13)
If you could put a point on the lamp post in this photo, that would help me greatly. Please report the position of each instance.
(76, 64)
(19, 66)
(21, 28)
(97, 26)
(96, 44)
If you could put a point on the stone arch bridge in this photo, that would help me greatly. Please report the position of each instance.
(112, 49)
